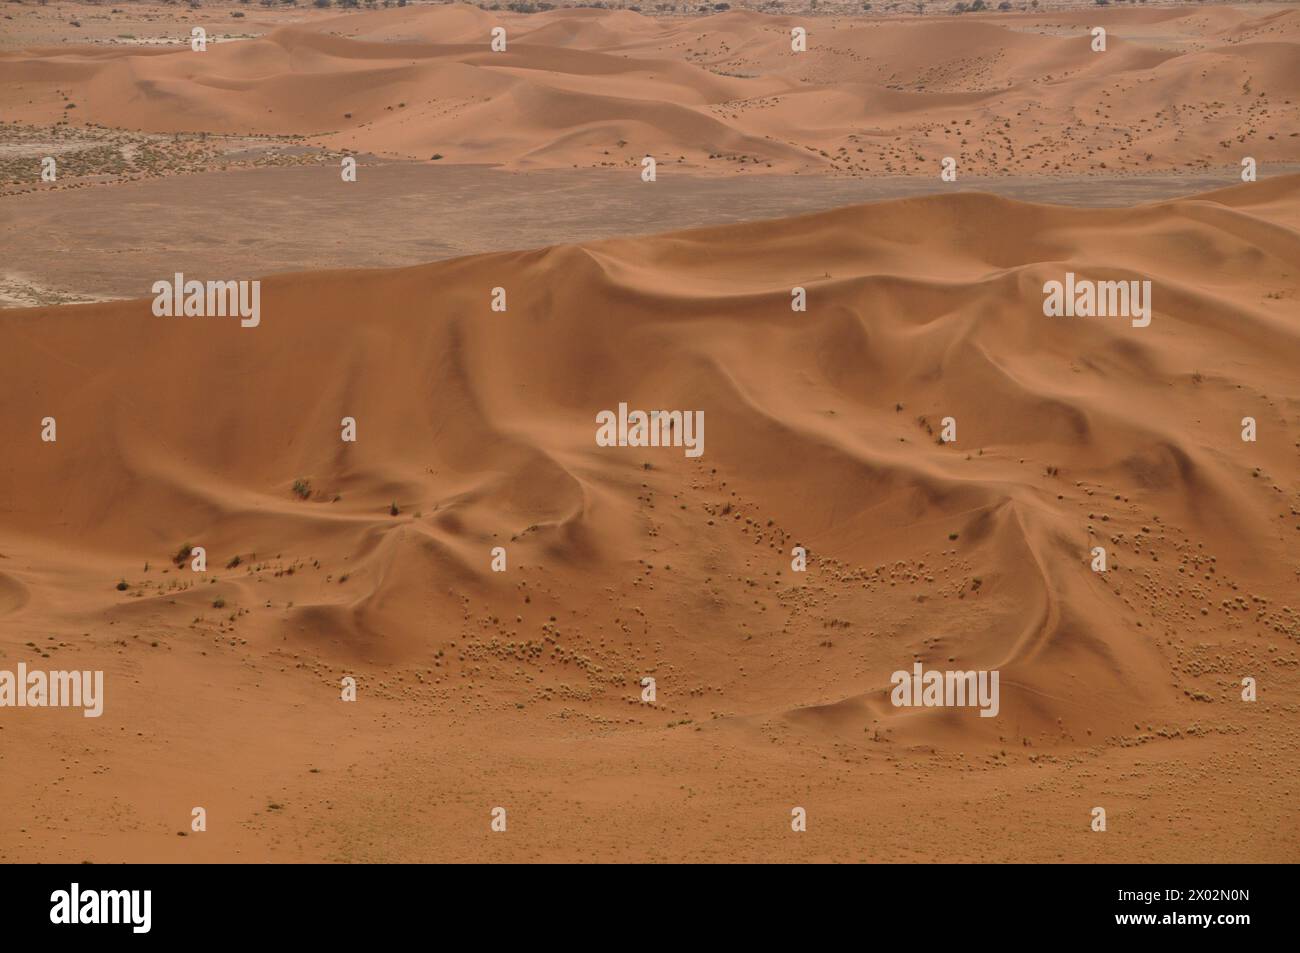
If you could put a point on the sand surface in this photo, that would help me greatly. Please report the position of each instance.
(476, 429)
(480, 688)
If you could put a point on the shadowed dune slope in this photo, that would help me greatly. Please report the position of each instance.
(1013, 94)
(476, 429)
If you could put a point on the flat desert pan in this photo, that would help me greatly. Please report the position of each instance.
(303, 218)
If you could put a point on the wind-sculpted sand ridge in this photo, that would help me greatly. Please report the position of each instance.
(1005, 94)
(477, 430)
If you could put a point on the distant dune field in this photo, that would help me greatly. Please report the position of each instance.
(1180, 87)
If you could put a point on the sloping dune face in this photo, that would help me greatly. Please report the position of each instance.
(1009, 94)
(477, 428)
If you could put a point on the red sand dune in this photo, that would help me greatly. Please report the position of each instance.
(479, 426)
(1191, 88)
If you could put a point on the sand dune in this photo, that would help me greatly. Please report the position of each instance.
(478, 427)
(1006, 94)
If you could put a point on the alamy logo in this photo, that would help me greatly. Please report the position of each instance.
(36, 689)
(658, 428)
(1084, 298)
(936, 689)
(134, 907)
(208, 299)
